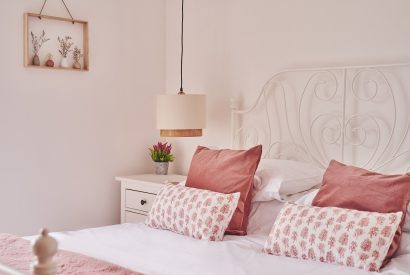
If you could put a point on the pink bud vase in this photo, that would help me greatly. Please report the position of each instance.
(36, 60)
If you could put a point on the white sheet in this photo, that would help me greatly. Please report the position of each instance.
(152, 251)
(262, 216)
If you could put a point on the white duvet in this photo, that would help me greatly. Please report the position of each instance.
(152, 251)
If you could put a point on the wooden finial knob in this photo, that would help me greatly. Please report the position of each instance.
(44, 248)
(44, 232)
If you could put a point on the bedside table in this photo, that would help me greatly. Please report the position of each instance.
(138, 193)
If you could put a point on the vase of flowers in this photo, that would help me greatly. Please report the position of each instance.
(65, 48)
(161, 155)
(37, 42)
(77, 55)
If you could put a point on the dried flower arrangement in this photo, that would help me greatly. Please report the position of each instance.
(65, 45)
(38, 41)
(77, 54)
(161, 152)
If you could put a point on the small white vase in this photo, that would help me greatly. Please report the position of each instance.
(161, 168)
(64, 63)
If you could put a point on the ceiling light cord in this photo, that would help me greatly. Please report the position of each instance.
(181, 90)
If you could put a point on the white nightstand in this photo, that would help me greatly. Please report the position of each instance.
(138, 194)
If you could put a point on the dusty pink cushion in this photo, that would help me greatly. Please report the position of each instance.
(333, 235)
(355, 188)
(227, 171)
(196, 213)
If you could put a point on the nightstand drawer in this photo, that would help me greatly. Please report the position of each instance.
(138, 194)
(139, 200)
(134, 217)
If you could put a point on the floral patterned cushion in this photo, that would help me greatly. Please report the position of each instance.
(197, 213)
(333, 235)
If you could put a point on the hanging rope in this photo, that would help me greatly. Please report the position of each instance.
(181, 90)
(42, 7)
(44, 3)
(68, 11)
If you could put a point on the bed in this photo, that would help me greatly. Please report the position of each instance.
(310, 115)
(151, 251)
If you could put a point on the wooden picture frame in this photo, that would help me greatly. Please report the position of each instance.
(26, 39)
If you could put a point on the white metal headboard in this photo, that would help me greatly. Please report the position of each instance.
(358, 115)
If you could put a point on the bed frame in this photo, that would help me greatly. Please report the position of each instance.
(44, 249)
(358, 115)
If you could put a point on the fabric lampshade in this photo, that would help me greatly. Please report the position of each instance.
(181, 115)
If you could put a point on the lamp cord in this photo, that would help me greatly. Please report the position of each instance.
(181, 90)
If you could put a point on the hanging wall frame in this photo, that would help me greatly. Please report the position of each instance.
(52, 42)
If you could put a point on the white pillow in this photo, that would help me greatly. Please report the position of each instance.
(281, 178)
(262, 216)
(404, 247)
(308, 198)
(406, 226)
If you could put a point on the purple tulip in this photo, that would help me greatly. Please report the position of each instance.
(163, 147)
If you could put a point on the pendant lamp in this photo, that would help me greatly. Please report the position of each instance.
(181, 114)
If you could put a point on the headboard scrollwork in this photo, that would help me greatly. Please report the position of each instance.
(358, 115)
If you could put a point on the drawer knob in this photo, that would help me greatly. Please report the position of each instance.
(143, 202)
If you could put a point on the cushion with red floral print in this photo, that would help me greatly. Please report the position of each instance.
(333, 235)
(193, 212)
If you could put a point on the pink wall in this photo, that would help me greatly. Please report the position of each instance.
(65, 135)
(233, 46)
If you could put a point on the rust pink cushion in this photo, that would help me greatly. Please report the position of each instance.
(227, 171)
(355, 188)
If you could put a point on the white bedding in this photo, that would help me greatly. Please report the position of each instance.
(151, 251)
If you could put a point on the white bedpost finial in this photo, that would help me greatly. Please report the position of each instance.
(234, 104)
(44, 248)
